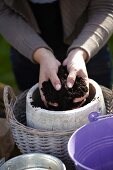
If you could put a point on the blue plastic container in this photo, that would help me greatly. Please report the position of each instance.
(91, 146)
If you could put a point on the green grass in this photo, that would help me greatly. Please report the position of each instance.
(6, 74)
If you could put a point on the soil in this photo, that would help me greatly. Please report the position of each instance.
(65, 96)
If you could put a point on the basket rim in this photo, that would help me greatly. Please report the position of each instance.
(14, 122)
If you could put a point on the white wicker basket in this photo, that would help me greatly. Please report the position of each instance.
(34, 140)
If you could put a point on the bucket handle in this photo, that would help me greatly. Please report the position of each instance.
(9, 99)
(94, 116)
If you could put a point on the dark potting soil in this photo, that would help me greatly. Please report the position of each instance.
(65, 96)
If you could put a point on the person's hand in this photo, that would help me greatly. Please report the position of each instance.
(48, 69)
(76, 66)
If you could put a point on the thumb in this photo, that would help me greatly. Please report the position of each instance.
(64, 62)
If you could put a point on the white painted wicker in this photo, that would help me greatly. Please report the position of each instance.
(33, 140)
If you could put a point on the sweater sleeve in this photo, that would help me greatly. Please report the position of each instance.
(98, 28)
(19, 33)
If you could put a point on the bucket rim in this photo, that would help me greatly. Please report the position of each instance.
(35, 155)
(68, 148)
(76, 131)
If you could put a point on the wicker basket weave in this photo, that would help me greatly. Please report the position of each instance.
(33, 140)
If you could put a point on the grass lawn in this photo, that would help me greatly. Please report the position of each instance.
(6, 74)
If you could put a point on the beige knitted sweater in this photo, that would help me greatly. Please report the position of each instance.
(87, 24)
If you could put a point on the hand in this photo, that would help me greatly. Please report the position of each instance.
(48, 69)
(76, 66)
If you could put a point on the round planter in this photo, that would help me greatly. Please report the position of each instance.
(43, 119)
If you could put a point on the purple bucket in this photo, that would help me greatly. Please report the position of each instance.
(91, 146)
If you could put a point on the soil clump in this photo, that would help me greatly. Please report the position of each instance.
(65, 96)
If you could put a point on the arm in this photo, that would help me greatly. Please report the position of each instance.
(19, 33)
(22, 37)
(98, 28)
(95, 34)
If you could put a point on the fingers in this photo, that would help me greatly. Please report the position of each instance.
(53, 104)
(65, 62)
(81, 104)
(54, 78)
(81, 98)
(52, 75)
(43, 98)
(56, 84)
(42, 78)
(86, 95)
(55, 81)
(72, 74)
(71, 78)
(76, 67)
(48, 69)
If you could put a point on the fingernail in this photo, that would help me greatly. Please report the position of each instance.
(58, 87)
(69, 85)
(76, 100)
